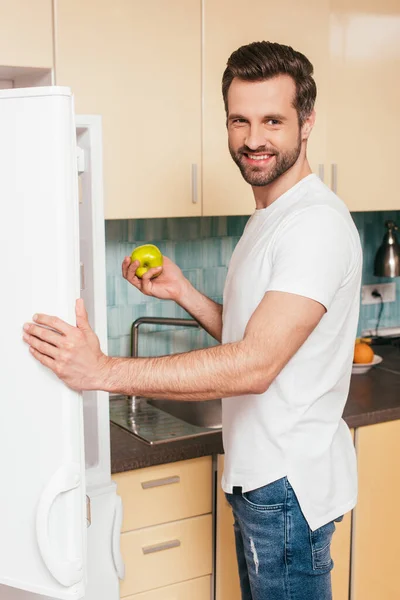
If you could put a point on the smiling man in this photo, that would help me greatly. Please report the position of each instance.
(287, 327)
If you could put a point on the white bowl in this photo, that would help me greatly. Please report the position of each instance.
(361, 368)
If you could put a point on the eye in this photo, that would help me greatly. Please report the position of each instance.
(238, 121)
(274, 122)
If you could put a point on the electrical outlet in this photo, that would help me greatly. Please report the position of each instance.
(387, 290)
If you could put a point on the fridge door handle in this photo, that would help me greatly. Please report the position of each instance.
(116, 535)
(65, 479)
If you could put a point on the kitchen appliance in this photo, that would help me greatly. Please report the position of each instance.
(60, 516)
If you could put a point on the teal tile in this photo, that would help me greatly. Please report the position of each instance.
(115, 231)
(212, 252)
(113, 330)
(182, 229)
(214, 281)
(195, 276)
(113, 346)
(136, 231)
(189, 254)
(213, 227)
(235, 225)
(110, 290)
(156, 229)
(124, 346)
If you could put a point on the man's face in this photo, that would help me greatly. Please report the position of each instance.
(264, 134)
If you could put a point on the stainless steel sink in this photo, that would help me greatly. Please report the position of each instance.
(201, 413)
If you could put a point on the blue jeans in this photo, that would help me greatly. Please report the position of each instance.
(279, 557)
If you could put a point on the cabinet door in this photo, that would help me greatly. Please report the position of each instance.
(227, 585)
(227, 25)
(376, 538)
(364, 124)
(26, 33)
(138, 64)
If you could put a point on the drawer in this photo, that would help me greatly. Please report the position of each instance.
(195, 589)
(165, 493)
(166, 554)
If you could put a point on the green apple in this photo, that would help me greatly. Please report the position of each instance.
(149, 256)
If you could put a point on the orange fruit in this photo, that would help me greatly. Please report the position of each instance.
(363, 353)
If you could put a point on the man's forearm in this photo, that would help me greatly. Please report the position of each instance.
(207, 312)
(218, 372)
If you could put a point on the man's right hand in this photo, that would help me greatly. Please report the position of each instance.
(171, 284)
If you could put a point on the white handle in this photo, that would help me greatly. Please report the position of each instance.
(67, 573)
(334, 178)
(194, 184)
(115, 542)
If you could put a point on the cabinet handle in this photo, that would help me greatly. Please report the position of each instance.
(321, 172)
(160, 547)
(334, 178)
(194, 184)
(158, 482)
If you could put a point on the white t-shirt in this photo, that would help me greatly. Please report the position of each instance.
(304, 243)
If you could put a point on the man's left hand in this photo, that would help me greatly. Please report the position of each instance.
(72, 353)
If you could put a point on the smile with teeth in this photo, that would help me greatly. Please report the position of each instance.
(259, 156)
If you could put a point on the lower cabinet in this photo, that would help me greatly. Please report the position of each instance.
(376, 538)
(196, 589)
(167, 531)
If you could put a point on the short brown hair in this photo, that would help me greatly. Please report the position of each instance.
(263, 60)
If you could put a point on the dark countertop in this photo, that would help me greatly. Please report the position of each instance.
(373, 398)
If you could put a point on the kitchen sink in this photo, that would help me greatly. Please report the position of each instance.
(201, 413)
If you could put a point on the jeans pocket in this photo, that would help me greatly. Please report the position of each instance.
(270, 497)
(321, 547)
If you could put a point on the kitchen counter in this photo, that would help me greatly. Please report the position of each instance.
(373, 398)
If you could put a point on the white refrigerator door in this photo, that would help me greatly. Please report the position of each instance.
(42, 500)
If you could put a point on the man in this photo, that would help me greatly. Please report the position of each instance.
(287, 327)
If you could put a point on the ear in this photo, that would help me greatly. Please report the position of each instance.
(307, 126)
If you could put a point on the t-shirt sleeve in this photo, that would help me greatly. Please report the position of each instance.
(312, 255)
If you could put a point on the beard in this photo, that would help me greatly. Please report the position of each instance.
(259, 176)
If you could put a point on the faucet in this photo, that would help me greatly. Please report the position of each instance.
(156, 321)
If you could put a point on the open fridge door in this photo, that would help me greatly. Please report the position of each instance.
(43, 500)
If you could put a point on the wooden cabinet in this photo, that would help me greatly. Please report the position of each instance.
(226, 27)
(364, 124)
(153, 71)
(167, 531)
(194, 589)
(138, 65)
(26, 33)
(376, 538)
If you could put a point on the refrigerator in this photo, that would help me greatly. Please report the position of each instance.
(60, 515)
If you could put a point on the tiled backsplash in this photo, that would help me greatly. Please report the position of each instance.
(202, 247)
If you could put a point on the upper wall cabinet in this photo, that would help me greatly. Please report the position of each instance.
(26, 33)
(364, 103)
(153, 71)
(138, 64)
(228, 25)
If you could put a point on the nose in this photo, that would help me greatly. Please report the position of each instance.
(256, 137)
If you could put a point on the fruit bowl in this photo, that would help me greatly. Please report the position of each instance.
(361, 368)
